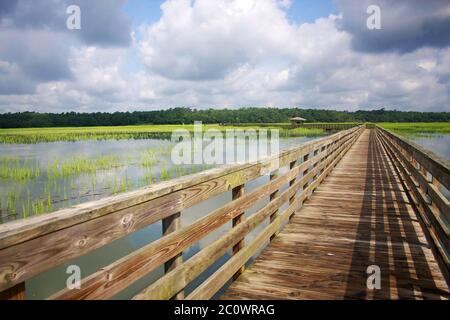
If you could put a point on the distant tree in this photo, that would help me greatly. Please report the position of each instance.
(187, 115)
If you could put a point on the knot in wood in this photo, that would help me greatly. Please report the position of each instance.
(82, 242)
(127, 220)
(12, 276)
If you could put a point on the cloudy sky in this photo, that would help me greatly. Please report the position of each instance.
(153, 54)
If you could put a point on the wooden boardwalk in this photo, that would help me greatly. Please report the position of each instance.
(358, 198)
(359, 216)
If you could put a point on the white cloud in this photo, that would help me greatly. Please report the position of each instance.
(232, 55)
(229, 53)
(207, 39)
(97, 70)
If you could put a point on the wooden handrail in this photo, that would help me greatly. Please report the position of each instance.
(426, 176)
(330, 126)
(31, 246)
(197, 264)
(436, 165)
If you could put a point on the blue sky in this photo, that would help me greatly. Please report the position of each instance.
(143, 11)
(300, 11)
(130, 55)
(308, 10)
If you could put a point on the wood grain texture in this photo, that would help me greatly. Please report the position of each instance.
(438, 204)
(438, 166)
(15, 293)
(423, 192)
(236, 194)
(170, 225)
(359, 216)
(274, 175)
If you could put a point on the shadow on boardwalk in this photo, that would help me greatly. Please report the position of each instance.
(393, 241)
(360, 216)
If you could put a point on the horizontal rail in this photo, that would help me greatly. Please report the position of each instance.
(310, 125)
(425, 176)
(31, 246)
(436, 165)
(330, 126)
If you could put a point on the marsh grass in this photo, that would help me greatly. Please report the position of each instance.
(39, 135)
(81, 164)
(421, 129)
(301, 132)
(165, 174)
(14, 168)
(148, 159)
(64, 182)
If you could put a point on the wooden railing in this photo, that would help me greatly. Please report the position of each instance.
(32, 246)
(330, 126)
(426, 176)
(310, 125)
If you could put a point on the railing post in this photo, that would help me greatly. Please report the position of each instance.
(15, 293)
(291, 183)
(238, 192)
(169, 225)
(274, 175)
(305, 172)
(323, 149)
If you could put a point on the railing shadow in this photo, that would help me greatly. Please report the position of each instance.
(387, 237)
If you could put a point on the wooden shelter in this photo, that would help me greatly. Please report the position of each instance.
(297, 121)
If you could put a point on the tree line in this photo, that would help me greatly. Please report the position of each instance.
(210, 116)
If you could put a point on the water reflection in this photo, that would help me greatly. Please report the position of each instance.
(439, 144)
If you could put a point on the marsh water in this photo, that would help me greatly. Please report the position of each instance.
(62, 174)
(439, 144)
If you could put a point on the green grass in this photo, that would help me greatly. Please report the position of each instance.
(418, 129)
(37, 135)
(17, 169)
(301, 132)
(148, 158)
(28, 191)
(81, 164)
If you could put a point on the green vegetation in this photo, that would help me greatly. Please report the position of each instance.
(29, 188)
(17, 169)
(301, 132)
(210, 116)
(37, 135)
(148, 159)
(80, 164)
(418, 129)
